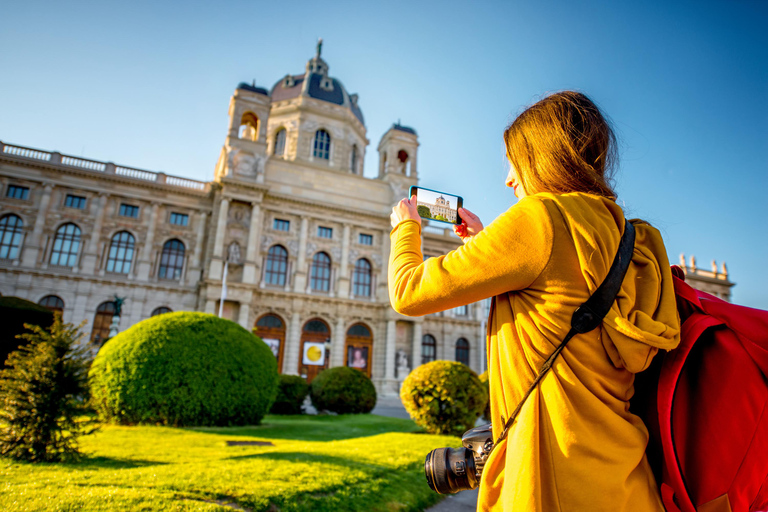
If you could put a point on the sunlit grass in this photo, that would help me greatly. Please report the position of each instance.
(323, 463)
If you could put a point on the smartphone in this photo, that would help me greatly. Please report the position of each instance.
(435, 205)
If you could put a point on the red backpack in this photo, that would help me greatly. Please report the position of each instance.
(706, 407)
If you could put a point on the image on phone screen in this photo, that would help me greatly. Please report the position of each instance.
(439, 206)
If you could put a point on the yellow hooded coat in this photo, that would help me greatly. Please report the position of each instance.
(574, 445)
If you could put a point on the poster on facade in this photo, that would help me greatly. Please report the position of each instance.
(274, 345)
(357, 357)
(314, 354)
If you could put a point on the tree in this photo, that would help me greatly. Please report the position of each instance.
(440, 217)
(424, 211)
(43, 394)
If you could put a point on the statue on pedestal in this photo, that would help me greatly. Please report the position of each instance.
(402, 365)
(113, 327)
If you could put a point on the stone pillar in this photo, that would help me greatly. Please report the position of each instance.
(145, 263)
(337, 343)
(292, 342)
(218, 244)
(382, 293)
(210, 307)
(344, 267)
(416, 345)
(31, 248)
(91, 255)
(193, 274)
(245, 311)
(251, 267)
(300, 275)
(389, 353)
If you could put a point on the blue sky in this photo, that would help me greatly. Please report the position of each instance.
(147, 84)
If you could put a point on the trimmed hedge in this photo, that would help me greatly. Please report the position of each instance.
(343, 390)
(444, 397)
(487, 411)
(291, 392)
(14, 313)
(184, 368)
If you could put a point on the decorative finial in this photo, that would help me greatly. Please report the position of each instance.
(254, 82)
(319, 46)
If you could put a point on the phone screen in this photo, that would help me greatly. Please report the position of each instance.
(439, 206)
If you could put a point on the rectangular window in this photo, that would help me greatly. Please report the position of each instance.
(366, 239)
(282, 225)
(180, 219)
(324, 232)
(127, 210)
(75, 202)
(17, 192)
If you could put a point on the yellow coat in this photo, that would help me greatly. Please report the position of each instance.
(574, 446)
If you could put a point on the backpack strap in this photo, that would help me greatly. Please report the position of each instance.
(589, 315)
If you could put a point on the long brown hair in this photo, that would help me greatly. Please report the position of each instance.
(563, 144)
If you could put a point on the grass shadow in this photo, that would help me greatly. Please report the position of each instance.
(303, 457)
(110, 463)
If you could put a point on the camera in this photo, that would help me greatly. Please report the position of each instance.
(450, 470)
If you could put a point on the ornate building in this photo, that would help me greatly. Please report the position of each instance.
(289, 231)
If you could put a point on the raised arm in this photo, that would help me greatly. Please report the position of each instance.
(507, 255)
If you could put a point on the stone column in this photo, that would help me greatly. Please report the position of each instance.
(416, 345)
(292, 342)
(389, 353)
(193, 274)
(91, 255)
(300, 275)
(337, 342)
(145, 263)
(210, 307)
(218, 244)
(245, 311)
(31, 249)
(251, 267)
(344, 266)
(382, 293)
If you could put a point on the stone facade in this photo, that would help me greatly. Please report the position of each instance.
(301, 236)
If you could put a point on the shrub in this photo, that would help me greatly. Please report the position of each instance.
(42, 395)
(343, 390)
(443, 397)
(184, 368)
(291, 392)
(487, 411)
(14, 313)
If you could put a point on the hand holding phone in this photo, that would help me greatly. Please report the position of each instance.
(470, 226)
(404, 210)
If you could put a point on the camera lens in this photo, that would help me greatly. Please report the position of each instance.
(450, 470)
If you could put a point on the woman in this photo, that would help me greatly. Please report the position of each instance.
(574, 445)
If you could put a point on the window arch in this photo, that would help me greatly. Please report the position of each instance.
(353, 159)
(270, 321)
(11, 230)
(280, 142)
(161, 310)
(276, 270)
(53, 302)
(403, 162)
(362, 278)
(102, 321)
(322, 145)
(428, 348)
(249, 126)
(462, 351)
(121, 253)
(320, 275)
(172, 260)
(66, 245)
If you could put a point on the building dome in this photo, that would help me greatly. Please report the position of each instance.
(315, 83)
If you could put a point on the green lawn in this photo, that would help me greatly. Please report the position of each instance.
(323, 463)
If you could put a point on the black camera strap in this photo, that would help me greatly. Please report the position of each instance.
(590, 314)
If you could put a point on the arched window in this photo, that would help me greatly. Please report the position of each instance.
(270, 322)
(171, 260)
(161, 310)
(322, 145)
(66, 245)
(362, 278)
(53, 302)
(121, 253)
(353, 159)
(249, 126)
(280, 142)
(277, 265)
(10, 236)
(428, 348)
(402, 158)
(320, 276)
(462, 351)
(102, 321)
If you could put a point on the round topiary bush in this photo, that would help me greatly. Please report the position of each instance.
(444, 397)
(487, 411)
(184, 369)
(343, 390)
(291, 392)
